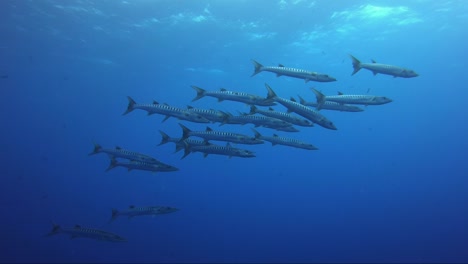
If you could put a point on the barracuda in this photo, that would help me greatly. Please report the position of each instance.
(224, 94)
(375, 68)
(79, 231)
(227, 150)
(350, 99)
(138, 165)
(133, 211)
(280, 70)
(302, 110)
(210, 134)
(165, 109)
(282, 115)
(123, 153)
(277, 140)
(328, 105)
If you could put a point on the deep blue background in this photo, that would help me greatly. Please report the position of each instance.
(389, 185)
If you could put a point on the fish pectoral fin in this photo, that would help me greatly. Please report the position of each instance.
(278, 75)
(165, 118)
(374, 72)
(306, 80)
(205, 155)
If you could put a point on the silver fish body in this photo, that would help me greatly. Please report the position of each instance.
(138, 165)
(123, 153)
(227, 150)
(376, 68)
(302, 110)
(280, 70)
(79, 231)
(292, 142)
(133, 211)
(165, 109)
(294, 120)
(210, 134)
(224, 94)
(350, 99)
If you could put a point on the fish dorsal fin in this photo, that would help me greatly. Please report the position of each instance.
(155, 102)
(166, 104)
(301, 100)
(228, 145)
(117, 147)
(189, 107)
(77, 226)
(340, 93)
(271, 109)
(131, 206)
(208, 129)
(223, 89)
(292, 99)
(275, 135)
(280, 65)
(373, 61)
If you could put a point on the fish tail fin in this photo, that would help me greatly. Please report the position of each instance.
(320, 98)
(258, 67)
(96, 149)
(131, 105)
(55, 229)
(164, 138)
(200, 92)
(112, 164)
(225, 117)
(115, 214)
(179, 146)
(356, 64)
(256, 133)
(253, 109)
(185, 132)
(186, 150)
(271, 94)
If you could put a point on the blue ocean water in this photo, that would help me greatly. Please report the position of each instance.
(388, 186)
